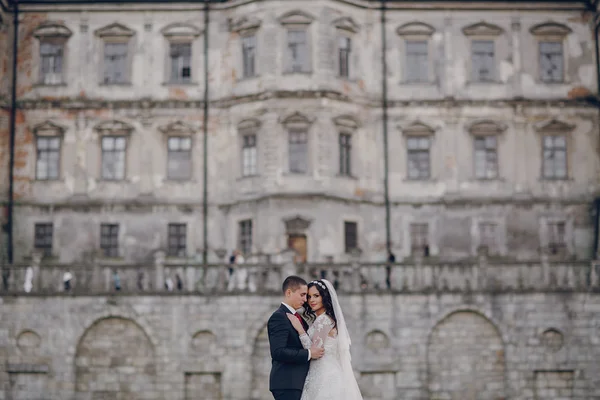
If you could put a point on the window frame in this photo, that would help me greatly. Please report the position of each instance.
(43, 244)
(296, 124)
(347, 125)
(57, 34)
(551, 32)
(116, 34)
(103, 159)
(243, 39)
(114, 129)
(181, 34)
(170, 153)
(109, 241)
(482, 130)
(245, 240)
(554, 129)
(424, 234)
(248, 128)
(416, 32)
(48, 131)
(178, 232)
(348, 248)
(483, 32)
(297, 21)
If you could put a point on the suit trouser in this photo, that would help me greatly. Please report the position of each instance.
(287, 394)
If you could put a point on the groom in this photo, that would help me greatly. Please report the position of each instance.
(289, 359)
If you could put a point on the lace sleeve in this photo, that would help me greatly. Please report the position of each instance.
(305, 339)
(319, 331)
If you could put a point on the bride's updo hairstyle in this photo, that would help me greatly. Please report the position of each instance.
(327, 303)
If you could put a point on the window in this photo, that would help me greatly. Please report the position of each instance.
(482, 58)
(249, 55)
(298, 50)
(52, 38)
(551, 61)
(345, 48)
(486, 157)
(48, 158)
(179, 160)
(298, 151)
(419, 238)
(109, 240)
(113, 157)
(177, 240)
(350, 236)
(551, 58)
(417, 61)
(345, 154)
(181, 62)
(245, 236)
(418, 157)
(43, 238)
(51, 61)
(487, 236)
(556, 237)
(555, 157)
(115, 62)
(115, 39)
(249, 161)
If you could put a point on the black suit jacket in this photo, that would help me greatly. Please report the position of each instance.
(289, 359)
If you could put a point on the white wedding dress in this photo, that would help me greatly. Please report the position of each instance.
(330, 377)
(324, 380)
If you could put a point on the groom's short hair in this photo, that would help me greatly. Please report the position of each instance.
(292, 282)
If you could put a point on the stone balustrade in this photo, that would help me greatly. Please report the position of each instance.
(164, 277)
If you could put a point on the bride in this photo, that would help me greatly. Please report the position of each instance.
(330, 377)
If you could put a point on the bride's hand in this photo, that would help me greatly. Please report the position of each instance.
(296, 323)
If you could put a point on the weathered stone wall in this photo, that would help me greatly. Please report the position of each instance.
(453, 202)
(419, 346)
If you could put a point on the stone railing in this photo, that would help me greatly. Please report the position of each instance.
(164, 277)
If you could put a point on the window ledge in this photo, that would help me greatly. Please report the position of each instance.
(485, 83)
(556, 180)
(180, 84)
(298, 174)
(297, 73)
(248, 78)
(351, 177)
(49, 85)
(419, 180)
(112, 261)
(124, 84)
(115, 181)
(49, 181)
(177, 259)
(553, 83)
(247, 177)
(420, 83)
(487, 180)
(178, 181)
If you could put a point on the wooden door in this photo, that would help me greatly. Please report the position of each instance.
(298, 243)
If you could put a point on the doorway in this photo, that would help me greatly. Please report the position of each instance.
(298, 243)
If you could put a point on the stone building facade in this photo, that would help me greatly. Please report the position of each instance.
(491, 141)
(491, 138)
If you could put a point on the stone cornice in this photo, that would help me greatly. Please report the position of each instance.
(82, 104)
(156, 205)
(150, 5)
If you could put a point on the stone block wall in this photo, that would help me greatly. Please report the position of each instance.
(518, 346)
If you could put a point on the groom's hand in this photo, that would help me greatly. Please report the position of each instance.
(316, 352)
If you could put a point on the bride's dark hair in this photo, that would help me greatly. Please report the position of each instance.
(327, 303)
